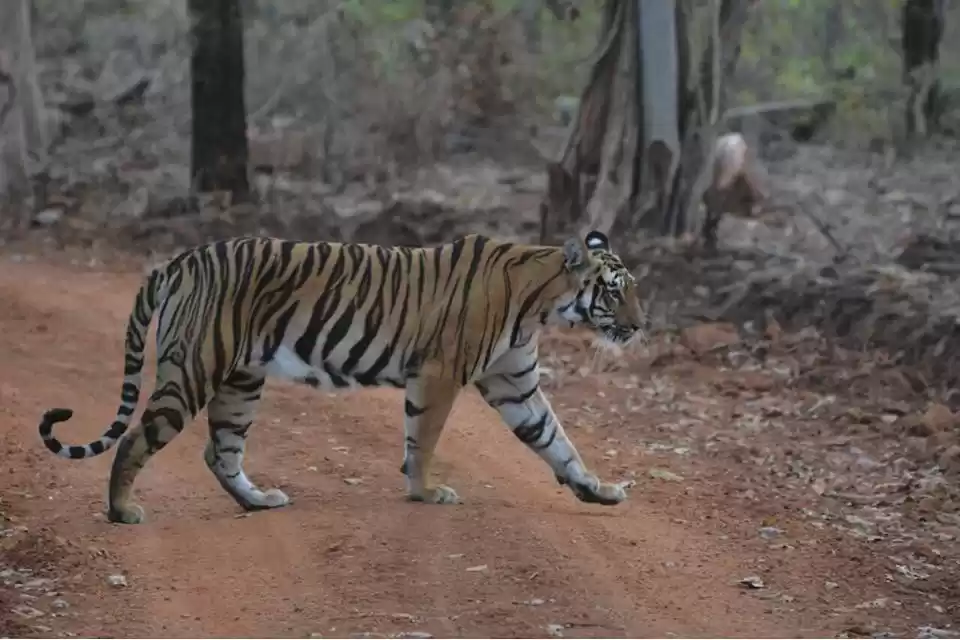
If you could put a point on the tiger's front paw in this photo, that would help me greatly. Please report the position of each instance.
(593, 491)
(261, 500)
(273, 498)
(129, 514)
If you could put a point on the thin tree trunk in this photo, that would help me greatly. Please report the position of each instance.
(922, 27)
(23, 133)
(219, 151)
(529, 13)
(832, 35)
(14, 177)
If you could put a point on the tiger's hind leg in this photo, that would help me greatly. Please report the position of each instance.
(230, 414)
(427, 404)
(165, 416)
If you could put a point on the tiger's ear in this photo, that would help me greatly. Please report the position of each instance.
(576, 257)
(597, 240)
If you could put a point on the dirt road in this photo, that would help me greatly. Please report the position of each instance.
(350, 555)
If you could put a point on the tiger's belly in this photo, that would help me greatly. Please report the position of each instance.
(330, 375)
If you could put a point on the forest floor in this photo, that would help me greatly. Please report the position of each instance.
(786, 487)
(739, 525)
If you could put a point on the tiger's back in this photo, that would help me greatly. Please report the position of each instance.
(346, 315)
(371, 316)
(337, 316)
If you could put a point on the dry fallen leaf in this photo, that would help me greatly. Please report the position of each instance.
(663, 474)
(752, 582)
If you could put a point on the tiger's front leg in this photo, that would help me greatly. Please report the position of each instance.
(517, 396)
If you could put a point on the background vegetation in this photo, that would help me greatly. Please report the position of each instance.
(366, 81)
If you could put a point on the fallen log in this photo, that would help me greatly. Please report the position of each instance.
(802, 118)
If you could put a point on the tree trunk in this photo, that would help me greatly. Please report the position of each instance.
(529, 14)
(219, 151)
(702, 104)
(922, 24)
(23, 133)
(640, 152)
(832, 35)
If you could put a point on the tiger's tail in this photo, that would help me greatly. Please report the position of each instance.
(151, 294)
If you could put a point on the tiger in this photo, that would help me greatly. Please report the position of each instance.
(429, 320)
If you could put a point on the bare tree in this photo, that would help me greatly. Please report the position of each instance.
(23, 134)
(529, 13)
(219, 149)
(922, 25)
(832, 34)
(641, 147)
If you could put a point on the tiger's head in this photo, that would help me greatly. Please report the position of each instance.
(603, 295)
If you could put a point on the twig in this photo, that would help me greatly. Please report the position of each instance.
(592, 625)
(717, 55)
(320, 23)
(856, 498)
(824, 229)
(132, 94)
(7, 80)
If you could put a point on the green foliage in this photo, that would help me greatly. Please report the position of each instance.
(848, 50)
(790, 48)
(800, 47)
(378, 13)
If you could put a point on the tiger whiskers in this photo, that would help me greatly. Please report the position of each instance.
(601, 347)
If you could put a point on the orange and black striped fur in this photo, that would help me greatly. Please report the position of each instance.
(430, 320)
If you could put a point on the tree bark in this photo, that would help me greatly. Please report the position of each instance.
(922, 24)
(23, 131)
(529, 14)
(573, 180)
(832, 34)
(639, 153)
(703, 103)
(219, 150)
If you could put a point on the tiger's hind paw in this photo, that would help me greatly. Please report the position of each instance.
(441, 494)
(605, 493)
